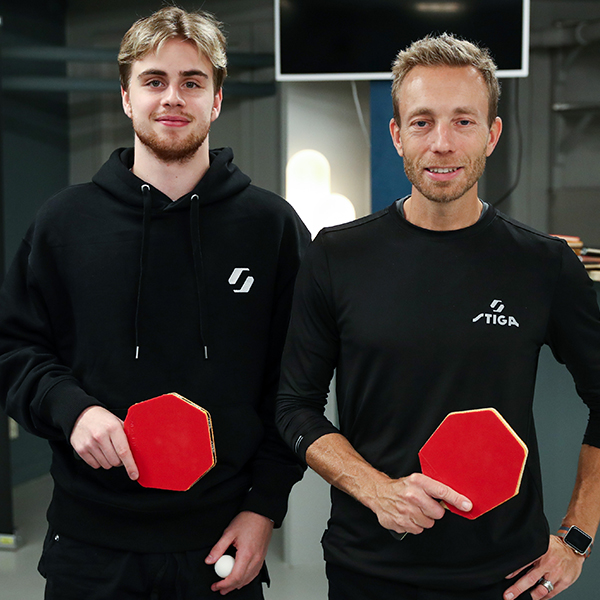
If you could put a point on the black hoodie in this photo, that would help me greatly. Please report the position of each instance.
(118, 294)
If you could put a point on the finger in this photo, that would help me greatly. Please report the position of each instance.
(440, 491)
(523, 584)
(111, 458)
(430, 511)
(99, 445)
(515, 573)
(412, 528)
(244, 571)
(236, 579)
(415, 499)
(124, 454)
(233, 581)
(96, 451)
(422, 521)
(539, 591)
(90, 452)
(89, 460)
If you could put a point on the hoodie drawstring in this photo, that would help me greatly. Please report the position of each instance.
(143, 259)
(198, 264)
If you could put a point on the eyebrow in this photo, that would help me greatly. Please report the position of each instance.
(190, 73)
(459, 110)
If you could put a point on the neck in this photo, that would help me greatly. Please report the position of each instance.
(443, 216)
(173, 179)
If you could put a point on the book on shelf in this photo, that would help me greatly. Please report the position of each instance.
(591, 252)
(590, 257)
(594, 274)
(575, 242)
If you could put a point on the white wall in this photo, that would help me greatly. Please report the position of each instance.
(322, 116)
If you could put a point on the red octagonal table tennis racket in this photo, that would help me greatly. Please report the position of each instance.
(477, 454)
(172, 442)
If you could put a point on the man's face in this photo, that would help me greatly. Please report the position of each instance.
(444, 136)
(171, 100)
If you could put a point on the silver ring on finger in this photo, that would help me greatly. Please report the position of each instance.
(545, 583)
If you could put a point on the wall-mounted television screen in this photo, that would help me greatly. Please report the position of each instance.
(359, 39)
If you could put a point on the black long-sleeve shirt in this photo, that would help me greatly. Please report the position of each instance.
(418, 324)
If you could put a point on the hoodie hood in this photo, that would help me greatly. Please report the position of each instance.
(222, 180)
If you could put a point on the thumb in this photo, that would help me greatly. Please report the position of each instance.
(219, 549)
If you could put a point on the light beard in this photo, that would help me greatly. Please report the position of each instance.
(171, 150)
(444, 191)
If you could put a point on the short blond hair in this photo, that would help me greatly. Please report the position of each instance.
(148, 35)
(449, 51)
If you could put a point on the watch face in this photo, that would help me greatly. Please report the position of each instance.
(578, 540)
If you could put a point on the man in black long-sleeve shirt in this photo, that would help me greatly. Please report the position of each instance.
(397, 303)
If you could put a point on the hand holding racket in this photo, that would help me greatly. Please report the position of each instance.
(171, 441)
(475, 453)
(98, 438)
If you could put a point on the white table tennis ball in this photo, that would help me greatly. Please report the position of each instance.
(224, 565)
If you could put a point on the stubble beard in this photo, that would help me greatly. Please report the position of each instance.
(171, 150)
(444, 191)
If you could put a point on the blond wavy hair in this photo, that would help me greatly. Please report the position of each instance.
(449, 51)
(149, 34)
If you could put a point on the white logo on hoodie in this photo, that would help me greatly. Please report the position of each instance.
(246, 282)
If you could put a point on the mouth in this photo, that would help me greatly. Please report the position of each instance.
(442, 170)
(173, 120)
(443, 173)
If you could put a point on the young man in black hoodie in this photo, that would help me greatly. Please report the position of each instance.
(436, 304)
(169, 272)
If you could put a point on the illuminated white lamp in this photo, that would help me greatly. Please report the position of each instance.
(308, 190)
(440, 7)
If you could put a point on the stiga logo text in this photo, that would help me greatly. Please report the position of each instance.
(496, 317)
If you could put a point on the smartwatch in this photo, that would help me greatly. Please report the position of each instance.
(579, 541)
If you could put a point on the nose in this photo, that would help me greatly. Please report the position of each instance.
(172, 96)
(441, 138)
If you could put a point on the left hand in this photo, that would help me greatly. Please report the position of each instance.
(560, 565)
(250, 534)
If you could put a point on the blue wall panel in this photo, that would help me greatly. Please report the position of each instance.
(388, 181)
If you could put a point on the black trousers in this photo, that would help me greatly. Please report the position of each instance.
(345, 584)
(79, 571)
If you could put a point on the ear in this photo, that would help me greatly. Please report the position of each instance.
(395, 133)
(494, 136)
(125, 101)
(216, 109)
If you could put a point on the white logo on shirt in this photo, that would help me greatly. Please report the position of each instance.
(495, 317)
(246, 282)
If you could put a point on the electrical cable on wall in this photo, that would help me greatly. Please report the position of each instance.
(513, 187)
(359, 113)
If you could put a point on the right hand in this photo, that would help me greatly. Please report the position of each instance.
(99, 439)
(412, 504)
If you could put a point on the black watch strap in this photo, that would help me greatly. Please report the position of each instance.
(579, 541)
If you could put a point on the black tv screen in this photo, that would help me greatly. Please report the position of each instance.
(359, 39)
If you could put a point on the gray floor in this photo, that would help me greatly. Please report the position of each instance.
(19, 579)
